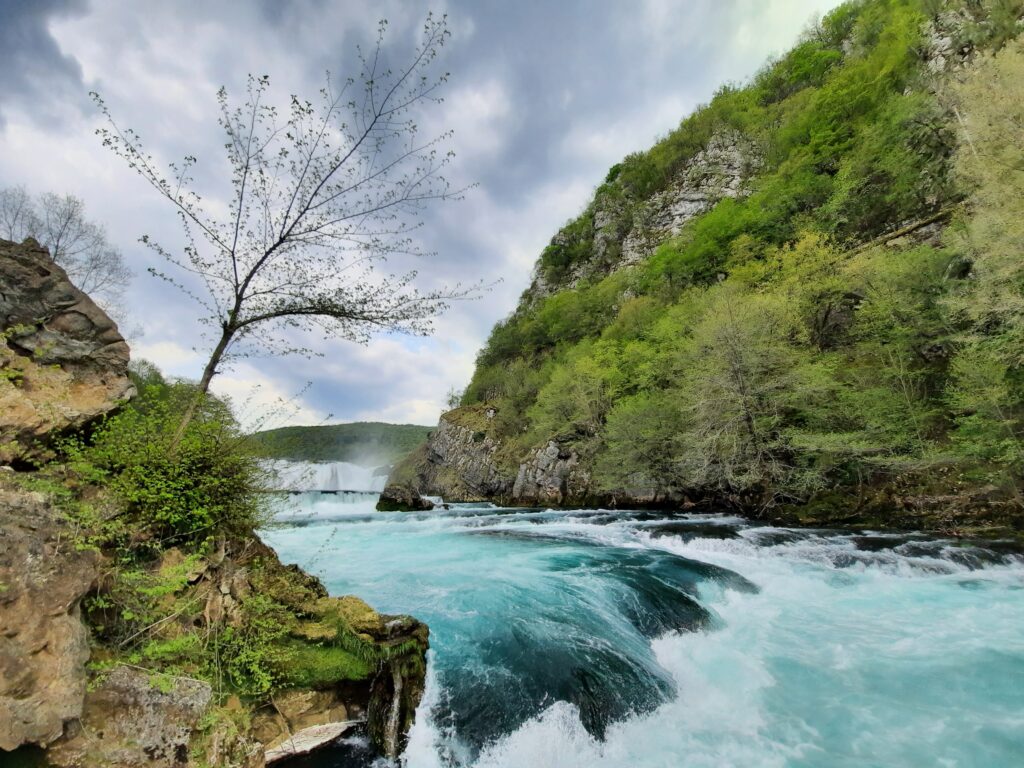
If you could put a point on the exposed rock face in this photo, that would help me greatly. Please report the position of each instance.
(397, 688)
(128, 721)
(459, 462)
(551, 475)
(300, 721)
(625, 233)
(717, 172)
(43, 644)
(469, 455)
(63, 362)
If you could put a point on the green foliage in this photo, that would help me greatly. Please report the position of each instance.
(254, 653)
(986, 385)
(316, 666)
(171, 488)
(762, 349)
(372, 443)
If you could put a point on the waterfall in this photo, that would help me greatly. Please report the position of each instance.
(328, 476)
(395, 715)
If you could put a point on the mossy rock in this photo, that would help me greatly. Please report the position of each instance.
(322, 665)
(351, 612)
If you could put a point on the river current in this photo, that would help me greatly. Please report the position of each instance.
(634, 639)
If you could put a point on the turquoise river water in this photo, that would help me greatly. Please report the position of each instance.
(615, 639)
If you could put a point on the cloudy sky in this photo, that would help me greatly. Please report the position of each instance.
(543, 98)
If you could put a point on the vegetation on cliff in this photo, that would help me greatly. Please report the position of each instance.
(187, 590)
(851, 318)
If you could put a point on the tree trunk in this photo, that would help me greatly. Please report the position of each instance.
(204, 386)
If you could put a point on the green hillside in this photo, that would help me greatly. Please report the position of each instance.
(853, 317)
(369, 443)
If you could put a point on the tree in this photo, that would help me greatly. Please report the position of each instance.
(80, 246)
(316, 202)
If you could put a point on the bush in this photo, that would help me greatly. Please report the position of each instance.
(206, 482)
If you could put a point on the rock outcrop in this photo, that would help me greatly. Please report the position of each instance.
(402, 498)
(63, 362)
(552, 474)
(43, 644)
(459, 462)
(624, 233)
(716, 172)
(128, 720)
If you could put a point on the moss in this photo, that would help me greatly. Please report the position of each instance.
(317, 666)
(473, 417)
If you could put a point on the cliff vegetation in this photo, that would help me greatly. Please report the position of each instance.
(806, 299)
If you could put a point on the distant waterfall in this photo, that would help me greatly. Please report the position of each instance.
(328, 476)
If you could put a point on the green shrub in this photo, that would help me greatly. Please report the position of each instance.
(204, 482)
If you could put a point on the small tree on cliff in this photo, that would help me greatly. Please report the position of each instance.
(317, 201)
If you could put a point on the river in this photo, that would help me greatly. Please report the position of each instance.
(633, 639)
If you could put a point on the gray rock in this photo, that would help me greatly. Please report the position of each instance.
(129, 721)
(717, 172)
(550, 475)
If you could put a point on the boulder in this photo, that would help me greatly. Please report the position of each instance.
(131, 720)
(63, 362)
(43, 644)
(402, 498)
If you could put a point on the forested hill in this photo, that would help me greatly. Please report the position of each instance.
(369, 443)
(813, 284)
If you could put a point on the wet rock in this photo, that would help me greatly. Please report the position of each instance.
(43, 644)
(402, 498)
(300, 721)
(63, 363)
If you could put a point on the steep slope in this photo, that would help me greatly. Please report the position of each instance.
(142, 619)
(802, 301)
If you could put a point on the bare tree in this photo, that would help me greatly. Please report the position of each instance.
(80, 246)
(317, 201)
(18, 218)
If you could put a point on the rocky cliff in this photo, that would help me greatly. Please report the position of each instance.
(794, 305)
(63, 362)
(43, 643)
(110, 637)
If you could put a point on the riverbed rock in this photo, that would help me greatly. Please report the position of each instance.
(63, 363)
(43, 644)
(397, 497)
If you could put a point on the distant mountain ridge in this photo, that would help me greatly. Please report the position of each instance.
(367, 443)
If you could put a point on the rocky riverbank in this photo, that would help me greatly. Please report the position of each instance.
(121, 648)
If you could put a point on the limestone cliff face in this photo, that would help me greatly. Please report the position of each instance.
(63, 362)
(459, 462)
(552, 474)
(622, 235)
